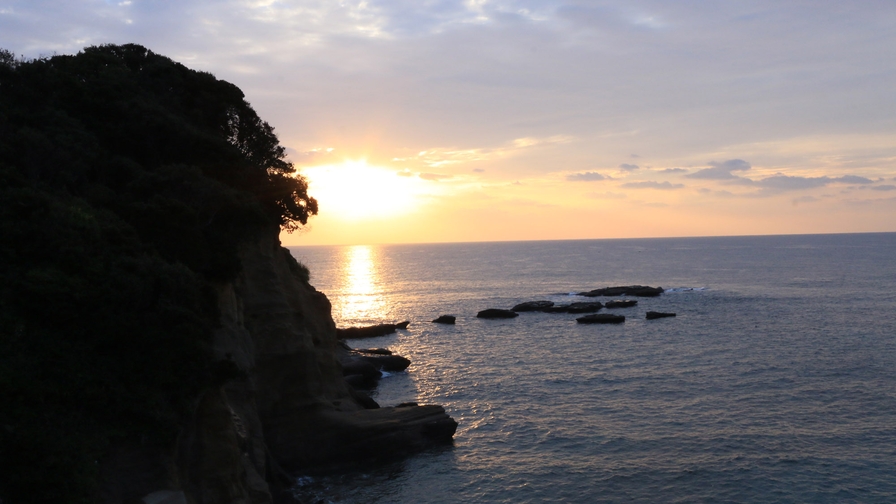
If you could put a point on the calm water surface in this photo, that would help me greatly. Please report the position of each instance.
(776, 382)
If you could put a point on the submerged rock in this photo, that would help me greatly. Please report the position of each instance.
(629, 290)
(497, 313)
(620, 303)
(529, 306)
(655, 315)
(601, 318)
(445, 319)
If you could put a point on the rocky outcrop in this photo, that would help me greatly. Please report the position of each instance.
(579, 307)
(628, 290)
(621, 303)
(445, 319)
(370, 331)
(529, 306)
(601, 318)
(655, 315)
(497, 313)
(288, 407)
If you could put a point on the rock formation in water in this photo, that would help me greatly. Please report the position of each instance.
(370, 331)
(601, 318)
(621, 303)
(579, 307)
(628, 290)
(445, 319)
(497, 313)
(529, 306)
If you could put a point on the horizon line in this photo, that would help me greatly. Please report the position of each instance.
(591, 239)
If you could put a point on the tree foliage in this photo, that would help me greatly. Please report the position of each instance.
(127, 183)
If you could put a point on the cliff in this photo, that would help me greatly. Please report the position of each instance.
(156, 342)
(292, 410)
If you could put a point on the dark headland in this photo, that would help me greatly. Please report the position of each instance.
(155, 338)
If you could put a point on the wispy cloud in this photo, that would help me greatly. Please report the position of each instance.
(796, 183)
(650, 184)
(605, 195)
(434, 176)
(585, 177)
(721, 171)
(441, 156)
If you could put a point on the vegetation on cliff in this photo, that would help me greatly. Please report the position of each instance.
(127, 182)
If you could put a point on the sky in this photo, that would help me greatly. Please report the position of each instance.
(478, 120)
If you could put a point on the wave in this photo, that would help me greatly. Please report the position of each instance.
(685, 289)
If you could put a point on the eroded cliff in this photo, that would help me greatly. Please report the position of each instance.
(290, 409)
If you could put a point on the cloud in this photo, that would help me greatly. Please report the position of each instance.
(441, 156)
(650, 184)
(803, 199)
(674, 170)
(434, 176)
(794, 183)
(852, 179)
(628, 167)
(404, 173)
(586, 177)
(721, 171)
(478, 170)
(885, 187)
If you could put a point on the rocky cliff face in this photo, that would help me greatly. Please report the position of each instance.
(291, 411)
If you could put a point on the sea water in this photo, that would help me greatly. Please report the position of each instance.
(775, 382)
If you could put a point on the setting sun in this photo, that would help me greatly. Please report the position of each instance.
(355, 190)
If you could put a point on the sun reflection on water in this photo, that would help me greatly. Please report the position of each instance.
(360, 299)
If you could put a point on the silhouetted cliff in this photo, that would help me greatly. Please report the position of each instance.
(154, 336)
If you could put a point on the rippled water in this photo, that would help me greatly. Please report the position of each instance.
(776, 382)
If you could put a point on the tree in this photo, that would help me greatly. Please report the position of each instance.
(127, 183)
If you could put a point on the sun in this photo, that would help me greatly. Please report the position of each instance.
(355, 190)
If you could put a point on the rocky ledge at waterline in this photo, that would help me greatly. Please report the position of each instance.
(370, 331)
(362, 368)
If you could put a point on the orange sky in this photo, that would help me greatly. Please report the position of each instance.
(485, 120)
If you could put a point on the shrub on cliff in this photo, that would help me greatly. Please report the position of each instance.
(127, 182)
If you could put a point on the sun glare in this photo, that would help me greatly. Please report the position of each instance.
(355, 190)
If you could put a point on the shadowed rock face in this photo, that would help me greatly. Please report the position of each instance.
(306, 410)
(294, 410)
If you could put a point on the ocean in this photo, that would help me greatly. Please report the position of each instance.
(775, 382)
